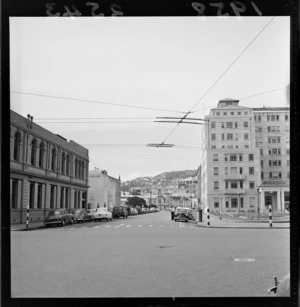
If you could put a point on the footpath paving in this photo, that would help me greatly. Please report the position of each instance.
(31, 226)
(216, 222)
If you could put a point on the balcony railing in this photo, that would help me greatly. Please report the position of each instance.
(234, 177)
(234, 191)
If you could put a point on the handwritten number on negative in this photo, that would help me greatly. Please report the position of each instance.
(49, 7)
(95, 6)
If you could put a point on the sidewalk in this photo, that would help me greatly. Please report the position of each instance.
(215, 222)
(31, 226)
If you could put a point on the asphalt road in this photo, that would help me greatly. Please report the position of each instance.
(146, 256)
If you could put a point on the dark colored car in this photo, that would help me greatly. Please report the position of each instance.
(59, 217)
(181, 215)
(119, 211)
(81, 216)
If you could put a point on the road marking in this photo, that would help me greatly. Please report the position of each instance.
(128, 226)
(244, 259)
(150, 225)
(107, 226)
(181, 225)
(140, 225)
(119, 225)
(95, 226)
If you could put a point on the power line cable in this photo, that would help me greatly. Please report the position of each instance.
(222, 75)
(98, 102)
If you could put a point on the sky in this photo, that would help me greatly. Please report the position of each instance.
(102, 82)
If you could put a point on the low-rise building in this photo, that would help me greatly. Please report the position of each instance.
(104, 190)
(46, 171)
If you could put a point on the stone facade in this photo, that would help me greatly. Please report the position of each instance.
(46, 171)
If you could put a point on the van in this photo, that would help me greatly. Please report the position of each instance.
(119, 211)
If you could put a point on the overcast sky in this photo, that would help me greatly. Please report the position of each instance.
(165, 63)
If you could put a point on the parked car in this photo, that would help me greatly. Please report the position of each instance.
(181, 214)
(103, 214)
(58, 217)
(119, 211)
(133, 211)
(81, 216)
(91, 213)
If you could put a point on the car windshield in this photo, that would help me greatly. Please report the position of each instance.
(77, 213)
(52, 213)
(102, 210)
(181, 210)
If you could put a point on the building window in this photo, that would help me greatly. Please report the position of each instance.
(76, 167)
(240, 157)
(245, 124)
(287, 162)
(62, 197)
(261, 152)
(246, 136)
(225, 157)
(52, 196)
(216, 202)
(216, 171)
(218, 113)
(233, 157)
(228, 124)
(222, 125)
(68, 165)
(231, 113)
(53, 160)
(233, 170)
(39, 196)
(41, 155)
(216, 185)
(213, 137)
(241, 170)
(286, 118)
(31, 195)
(242, 202)
(63, 163)
(17, 143)
(224, 113)
(241, 184)
(251, 157)
(215, 157)
(251, 170)
(261, 163)
(252, 202)
(238, 113)
(258, 129)
(213, 147)
(226, 170)
(14, 194)
(223, 136)
(251, 184)
(33, 152)
(229, 136)
(262, 175)
(234, 185)
(234, 203)
(213, 125)
(246, 113)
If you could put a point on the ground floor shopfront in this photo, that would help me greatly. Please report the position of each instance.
(41, 195)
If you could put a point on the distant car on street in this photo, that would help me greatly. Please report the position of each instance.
(58, 217)
(119, 211)
(91, 213)
(103, 214)
(81, 216)
(133, 211)
(181, 214)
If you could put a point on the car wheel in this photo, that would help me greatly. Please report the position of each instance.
(63, 223)
(72, 221)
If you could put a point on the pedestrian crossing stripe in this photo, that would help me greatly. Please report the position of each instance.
(119, 225)
(150, 225)
(128, 226)
(96, 226)
(107, 226)
(140, 225)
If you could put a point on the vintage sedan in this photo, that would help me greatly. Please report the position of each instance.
(58, 217)
(91, 213)
(102, 214)
(81, 216)
(181, 214)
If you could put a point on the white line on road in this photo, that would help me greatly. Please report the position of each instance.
(119, 225)
(150, 225)
(181, 225)
(140, 225)
(107, 226)
(128, 226)
(95, 226)
(244, 259)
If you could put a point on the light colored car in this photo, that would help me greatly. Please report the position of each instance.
(133, 211)
(91, 213)
(102, 214)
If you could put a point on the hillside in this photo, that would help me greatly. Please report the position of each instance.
(161, 180)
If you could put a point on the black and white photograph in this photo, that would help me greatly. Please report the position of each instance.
(149, 156)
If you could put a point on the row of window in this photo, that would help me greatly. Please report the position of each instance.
(233, 202)
(233, 170)
(229, 125)
(234, 185)
(271, 118)
(230, 146)
(233, 157)
(274, 151)
(274, 175)
(231, 113)
(38, 154)
(37, 197)
(229, 136)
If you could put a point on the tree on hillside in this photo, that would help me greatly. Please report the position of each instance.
(136, 201)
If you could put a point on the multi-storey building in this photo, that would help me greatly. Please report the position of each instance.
(273, 140)
(238, 142)
(188, 186)
(46, 171)
(104, 190)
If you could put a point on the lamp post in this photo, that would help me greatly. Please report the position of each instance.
(257, 189)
